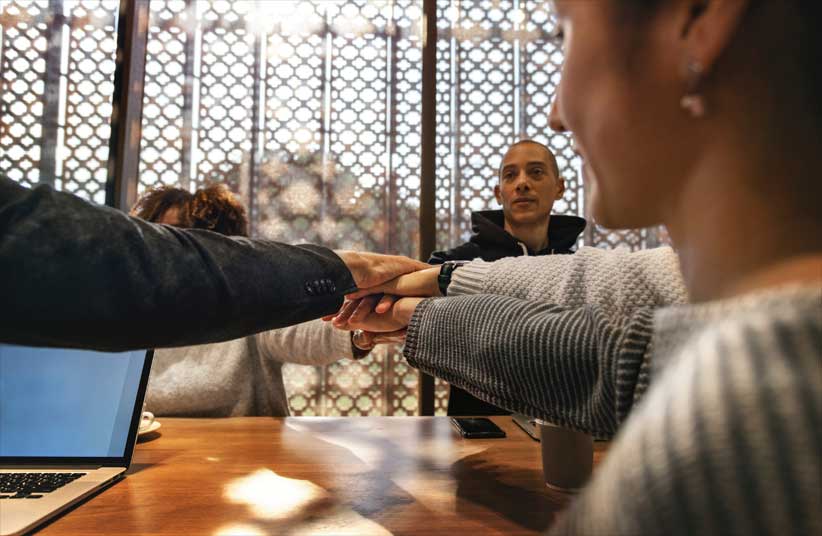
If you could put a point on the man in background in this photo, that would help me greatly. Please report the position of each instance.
(529, 184)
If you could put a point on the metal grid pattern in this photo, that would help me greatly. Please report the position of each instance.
(165, 131)
(227, 82)
(58, 60)
(497, 71)
(313, 118)
(91, 61)
(23, 45)
(310, 109)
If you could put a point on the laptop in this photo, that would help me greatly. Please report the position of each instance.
(68, 424)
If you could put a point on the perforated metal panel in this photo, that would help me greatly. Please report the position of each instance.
(311, 111)
(166, 132)
(497, 71)
(58, 60)
(24, 43)
(91, 61)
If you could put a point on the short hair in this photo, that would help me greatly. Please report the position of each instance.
(213, 208)
(551, 157)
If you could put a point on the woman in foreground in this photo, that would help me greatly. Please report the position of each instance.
(704, 116)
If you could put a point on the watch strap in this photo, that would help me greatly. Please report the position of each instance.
(446, 270)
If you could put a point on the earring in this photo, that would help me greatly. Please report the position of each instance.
(693, 102)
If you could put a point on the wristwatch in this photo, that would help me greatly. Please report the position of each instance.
(444, 279)
(360, 349)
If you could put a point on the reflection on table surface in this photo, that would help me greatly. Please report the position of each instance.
(305, 475)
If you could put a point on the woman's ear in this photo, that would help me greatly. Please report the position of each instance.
(707, 29)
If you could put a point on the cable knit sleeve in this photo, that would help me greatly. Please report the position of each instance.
(617, 280)
(576, 367)
(310, 343)
(726, 441)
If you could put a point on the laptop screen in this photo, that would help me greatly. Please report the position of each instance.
(68, 403)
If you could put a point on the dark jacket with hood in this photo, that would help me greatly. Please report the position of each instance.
(491, 242)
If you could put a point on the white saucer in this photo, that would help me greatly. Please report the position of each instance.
(150, 428)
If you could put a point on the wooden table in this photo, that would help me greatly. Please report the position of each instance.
(367, 475)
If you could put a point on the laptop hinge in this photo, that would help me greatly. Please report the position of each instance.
(52, 467)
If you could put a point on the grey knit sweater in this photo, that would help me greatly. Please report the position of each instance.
(727, 439)
(242, 376)
(536, 304)
(617, 280)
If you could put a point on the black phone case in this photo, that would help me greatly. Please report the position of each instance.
(480, 428)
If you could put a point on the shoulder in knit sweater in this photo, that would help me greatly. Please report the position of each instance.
(726, 441)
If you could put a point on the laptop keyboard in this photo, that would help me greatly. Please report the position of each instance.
(33, 485)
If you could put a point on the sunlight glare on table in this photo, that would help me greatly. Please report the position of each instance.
(271, 496)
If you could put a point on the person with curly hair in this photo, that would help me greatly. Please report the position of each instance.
(212, 207)
(241, 376)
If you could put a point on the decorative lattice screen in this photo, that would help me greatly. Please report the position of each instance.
(57, 80)
(497, 71)
(311, 110)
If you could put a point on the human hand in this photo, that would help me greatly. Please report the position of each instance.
(372, 269)
(419, 283)
(380, 303)
(360, 314)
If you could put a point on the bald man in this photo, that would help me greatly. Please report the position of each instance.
(529, 184)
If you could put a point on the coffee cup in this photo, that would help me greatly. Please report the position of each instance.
(567, 457)
(146, 420)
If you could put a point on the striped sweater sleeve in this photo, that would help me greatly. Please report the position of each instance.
(576, 367)
(725, 442)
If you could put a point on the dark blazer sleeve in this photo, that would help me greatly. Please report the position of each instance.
(78, 275)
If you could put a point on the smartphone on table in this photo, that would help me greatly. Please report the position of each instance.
(477, 428)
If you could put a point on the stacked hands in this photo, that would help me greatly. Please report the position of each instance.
(389, 289)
